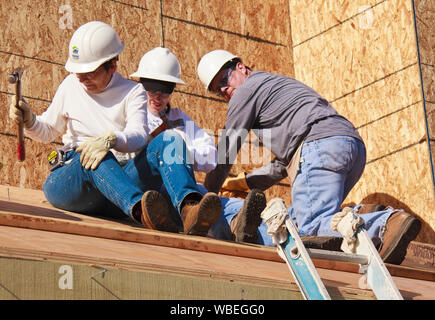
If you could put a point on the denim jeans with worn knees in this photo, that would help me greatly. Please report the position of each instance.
(329, 168)
(165, 162)
(112, 190)
(107, 190)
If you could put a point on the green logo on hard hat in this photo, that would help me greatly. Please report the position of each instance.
(75, 52)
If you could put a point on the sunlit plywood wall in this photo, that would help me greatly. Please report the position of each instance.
(362, 56)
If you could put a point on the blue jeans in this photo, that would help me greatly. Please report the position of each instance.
(164, 161)
(329, 168)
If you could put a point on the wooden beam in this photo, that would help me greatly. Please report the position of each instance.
(28, 209)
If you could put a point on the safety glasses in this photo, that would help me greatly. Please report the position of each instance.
(92, 74)
(224, 81)
(155, 94)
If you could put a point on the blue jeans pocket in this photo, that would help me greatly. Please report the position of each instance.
(336, 153)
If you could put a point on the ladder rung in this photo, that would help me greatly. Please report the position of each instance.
(337, 256)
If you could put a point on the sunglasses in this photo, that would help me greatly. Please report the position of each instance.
(224, 81)
(156, 93)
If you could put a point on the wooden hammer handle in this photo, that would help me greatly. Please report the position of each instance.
(21, 151)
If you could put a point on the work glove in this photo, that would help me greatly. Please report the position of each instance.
(22, 113)
(235, 187)
(95, 149)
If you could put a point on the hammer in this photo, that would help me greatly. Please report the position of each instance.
(15, 77)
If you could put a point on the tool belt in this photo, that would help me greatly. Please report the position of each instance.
(56, 159)
(168, 124)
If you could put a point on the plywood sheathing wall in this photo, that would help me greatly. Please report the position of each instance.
(362, 56)
(36, 33)
(424, 20)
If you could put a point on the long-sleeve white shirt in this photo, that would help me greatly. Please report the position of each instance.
(198, 142)
(121, 107)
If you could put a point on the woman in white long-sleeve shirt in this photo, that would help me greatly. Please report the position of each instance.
(104, 118)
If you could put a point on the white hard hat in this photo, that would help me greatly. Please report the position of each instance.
(91, 45)
(159, 64)
(211, 63)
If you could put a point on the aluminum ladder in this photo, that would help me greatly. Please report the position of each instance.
(298, 258)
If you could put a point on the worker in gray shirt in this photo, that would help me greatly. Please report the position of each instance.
(318, 149)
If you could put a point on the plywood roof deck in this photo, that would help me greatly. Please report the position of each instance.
(31, 228)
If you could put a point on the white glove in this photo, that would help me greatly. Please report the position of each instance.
(95, 149)
(22, 114)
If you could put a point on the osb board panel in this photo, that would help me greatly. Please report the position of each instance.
(7, 126)
(208, 114)
(382, 98)
(255, 54)
(196, 264)
(266, 21)
(395, 132)
(402, 180)
(30, 173)
(39, 80)
(309, 18)
(46, 40)
(31, 28)
(430, 110)
(425, 17)
(428, 73)
(142, 254)
(32, 279)
(18, 242)
(347, 58)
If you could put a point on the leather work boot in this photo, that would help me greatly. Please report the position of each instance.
(368, 208)
(401, 229)
(322, 242)
(244, 225)
(156, 213)
(199, 216)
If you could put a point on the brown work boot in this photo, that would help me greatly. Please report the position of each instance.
(199, 216)
(244, 225)
(400, 230)
(368, 208)
(156, 213)
(322, 242)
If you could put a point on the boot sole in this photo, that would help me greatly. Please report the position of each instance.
(209, 212)
(396, 251)
(322, 242)
(155, 212)
(250, 218)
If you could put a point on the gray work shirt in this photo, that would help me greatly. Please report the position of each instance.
(282, 112)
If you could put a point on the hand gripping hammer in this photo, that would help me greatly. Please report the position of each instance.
(15, 77)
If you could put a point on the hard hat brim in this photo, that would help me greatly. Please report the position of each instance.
(211, 63)
(155, 76)
(75, 67)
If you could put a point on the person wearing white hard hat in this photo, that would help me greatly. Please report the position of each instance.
(178, 143)
(318, 149)
(103, 118)
(159, 72)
